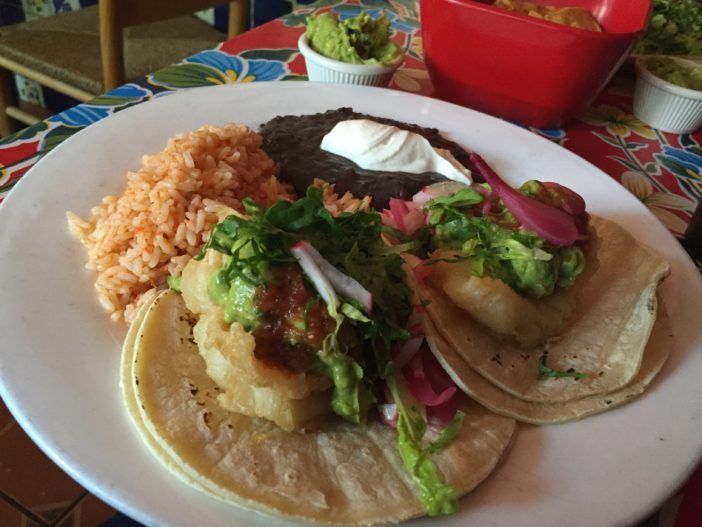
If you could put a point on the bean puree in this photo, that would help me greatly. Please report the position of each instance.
(293, 141)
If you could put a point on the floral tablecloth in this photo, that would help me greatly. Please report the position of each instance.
(663, 170)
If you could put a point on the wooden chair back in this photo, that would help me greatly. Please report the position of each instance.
(115, 15)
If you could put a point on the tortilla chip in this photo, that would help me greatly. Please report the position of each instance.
(340, 473)
(499, 401)
(578, 17)
(604, 339)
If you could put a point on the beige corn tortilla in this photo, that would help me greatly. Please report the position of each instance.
(499, 401)
(340, 473)
(605, 338)
(129, 396)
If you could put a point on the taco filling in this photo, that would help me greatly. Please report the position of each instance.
(508, 257)
(299, 315)
(528, 290)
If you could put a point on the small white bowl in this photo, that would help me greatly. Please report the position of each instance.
(663, 105)
(324, 69)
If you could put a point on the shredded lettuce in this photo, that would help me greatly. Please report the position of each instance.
(437, 496)
(351, 242)
(545, 372)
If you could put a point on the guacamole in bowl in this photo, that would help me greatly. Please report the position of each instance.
(357, 40)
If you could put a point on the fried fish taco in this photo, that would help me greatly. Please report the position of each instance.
(542, 301)
(270, 381)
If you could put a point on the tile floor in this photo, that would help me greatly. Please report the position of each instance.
(34, 492)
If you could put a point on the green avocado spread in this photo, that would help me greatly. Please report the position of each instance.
(358, 40)
(675, 72)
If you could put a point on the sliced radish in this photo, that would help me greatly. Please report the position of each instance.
(421, 197)
(408, 350)
(342, 283)
(553, 225)
(301, 252)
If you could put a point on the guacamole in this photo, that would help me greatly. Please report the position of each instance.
(495, 245)
(681, 74)
(358, 40)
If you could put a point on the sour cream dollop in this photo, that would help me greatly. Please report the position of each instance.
(375, 146)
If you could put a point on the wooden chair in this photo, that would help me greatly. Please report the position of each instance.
(87, 52)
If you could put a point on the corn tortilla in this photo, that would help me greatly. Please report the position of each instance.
(501, 402)
(340, 473)
(129, 396)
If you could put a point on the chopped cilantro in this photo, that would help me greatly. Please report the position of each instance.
(549, 373)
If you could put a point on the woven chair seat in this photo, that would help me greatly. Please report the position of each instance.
(67, 46)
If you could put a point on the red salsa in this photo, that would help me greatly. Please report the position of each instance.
(293, 321)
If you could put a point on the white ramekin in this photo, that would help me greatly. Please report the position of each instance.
(663, 105)
(324, 69)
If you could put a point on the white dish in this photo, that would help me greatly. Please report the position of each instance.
(59, 358)
(664, 105)
(324, 69)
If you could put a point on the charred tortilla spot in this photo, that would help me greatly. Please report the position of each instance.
(651, 305)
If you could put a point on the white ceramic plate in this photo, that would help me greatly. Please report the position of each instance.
(60, 353)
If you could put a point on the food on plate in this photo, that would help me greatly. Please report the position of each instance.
(276, 362)
(294, 351)
(164, 215)
(356, 40)
(686, 74)
(293, 142)
(137, 239)
(675, 28)
(548, 318)
(578, 17)
(376, 146)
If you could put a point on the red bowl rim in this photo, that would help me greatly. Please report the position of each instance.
(546, 24)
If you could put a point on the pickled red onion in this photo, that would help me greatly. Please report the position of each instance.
(553, 225)
(407, 215)
(420, 385)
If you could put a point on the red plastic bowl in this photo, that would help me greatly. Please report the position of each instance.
(521, 68)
